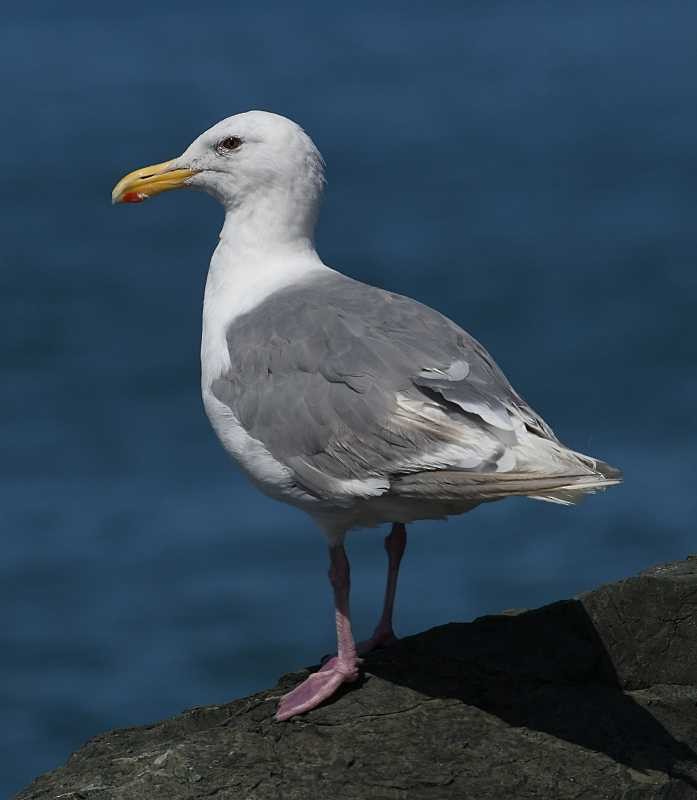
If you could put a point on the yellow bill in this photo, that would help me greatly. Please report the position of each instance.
(149, 181)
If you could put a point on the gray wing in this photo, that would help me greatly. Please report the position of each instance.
(350, 386)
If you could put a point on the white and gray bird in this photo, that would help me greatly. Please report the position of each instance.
(355, 404)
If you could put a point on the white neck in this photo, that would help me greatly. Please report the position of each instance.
(259, 254)
(271, 215)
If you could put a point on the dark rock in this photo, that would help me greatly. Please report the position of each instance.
(594, 697)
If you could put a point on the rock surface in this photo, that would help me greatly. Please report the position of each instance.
(594, 697)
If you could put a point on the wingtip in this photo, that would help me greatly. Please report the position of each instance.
(609, 472)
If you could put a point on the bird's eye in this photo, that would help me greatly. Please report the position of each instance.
(228, 144)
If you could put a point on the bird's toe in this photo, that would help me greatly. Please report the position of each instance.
(318, 687)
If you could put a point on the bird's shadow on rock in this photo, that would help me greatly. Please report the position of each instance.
(547, 670)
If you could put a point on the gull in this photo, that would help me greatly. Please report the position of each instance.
(358, 405)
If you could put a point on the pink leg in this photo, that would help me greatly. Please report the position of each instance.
(395, 544)
(343, 668)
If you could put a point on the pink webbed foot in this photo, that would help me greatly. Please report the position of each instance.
(317, 687)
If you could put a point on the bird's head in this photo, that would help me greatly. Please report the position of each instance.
(244, 161)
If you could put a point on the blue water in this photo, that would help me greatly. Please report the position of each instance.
(530, 169)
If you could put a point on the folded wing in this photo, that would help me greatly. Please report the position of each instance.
(352, 388)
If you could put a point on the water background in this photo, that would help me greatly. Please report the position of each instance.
(529, 169)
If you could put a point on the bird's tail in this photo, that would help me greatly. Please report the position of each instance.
(599, 477)
(456, 486)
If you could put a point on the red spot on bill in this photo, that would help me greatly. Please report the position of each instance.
(133, 197)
